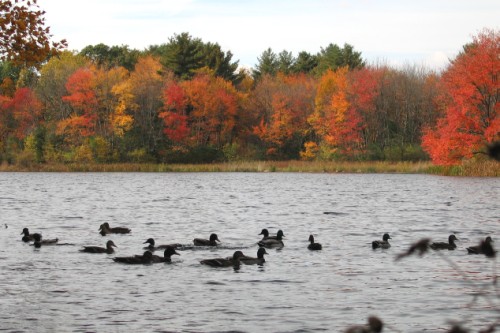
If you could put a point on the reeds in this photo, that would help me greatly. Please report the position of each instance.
(471, 169)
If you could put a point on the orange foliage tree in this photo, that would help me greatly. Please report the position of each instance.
(24, 37)
(146, 84)
(83, 100)
(283, 124)
(213, 104)
(471, 115)
(335, 122)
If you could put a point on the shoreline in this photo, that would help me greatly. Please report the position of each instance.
(466, 169)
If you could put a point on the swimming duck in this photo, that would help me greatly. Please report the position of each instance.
(445, 246)
(273, 242)
(478, 249)
(146, 258)
(375, 325)
(104, 229)
(167, 254)
(207, 242)
(39, 241)
(97, 249)
(252, 261)
(382, 244)
(27, 237)
(151, 247)
(224, 262)
(312, 245)
(265, 234)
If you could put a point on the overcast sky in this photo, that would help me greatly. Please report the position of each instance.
(396, 32)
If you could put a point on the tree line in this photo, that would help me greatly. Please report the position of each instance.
(188, 101)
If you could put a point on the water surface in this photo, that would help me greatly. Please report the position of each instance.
(59, 289)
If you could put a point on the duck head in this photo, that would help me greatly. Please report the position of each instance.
(104, 226)
(25, 232)
(260, 252)
(237, 255)
(452, 239)
(311, 239)
(151, 241)
(264, 232)
(213, 238)
(386, 237)
(110, 244)
(280, 234)
(170, 251)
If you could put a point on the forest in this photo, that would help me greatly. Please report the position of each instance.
(189, 101)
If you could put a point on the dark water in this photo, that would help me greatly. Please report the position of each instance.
(59, 289)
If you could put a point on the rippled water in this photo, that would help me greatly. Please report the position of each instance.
(59, 289)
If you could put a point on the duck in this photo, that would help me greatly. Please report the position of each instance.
(273, 242)
(445, 246)
(167, 254)
(265, 234)
(224, 262)
(478, 249)
(207, 242)
(252, 261)
(97, 249)
(27, 236)
(39, 241)
(145, 258)
(314, 246)
(151, 247)
(374, 325)
(105, 229)
(382, 244)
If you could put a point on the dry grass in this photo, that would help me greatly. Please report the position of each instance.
(472, 169)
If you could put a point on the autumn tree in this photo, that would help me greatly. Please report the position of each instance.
(283, 103)
(147, 82)
(82, 121)
(51, 85)
(27, 111)
(20, 117)
(470, 117)
(174, 113)
(24, 36)
(395, 104)
(9, 74)
(213, 104)
(336, 124)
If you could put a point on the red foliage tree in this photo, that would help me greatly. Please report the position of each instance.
(471, 113)
(27, 111)
(82, 98)
(174, 115)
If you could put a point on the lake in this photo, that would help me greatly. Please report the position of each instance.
(59, 289)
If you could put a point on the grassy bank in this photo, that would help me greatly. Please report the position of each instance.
(475, 169)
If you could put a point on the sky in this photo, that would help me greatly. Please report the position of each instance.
(394, 32)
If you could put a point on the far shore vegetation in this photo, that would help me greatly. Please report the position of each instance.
(187, 106)
(467, 168)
